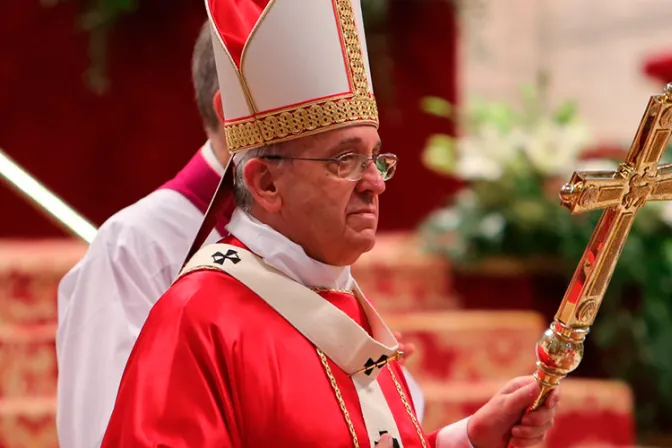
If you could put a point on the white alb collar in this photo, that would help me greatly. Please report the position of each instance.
(286, 256)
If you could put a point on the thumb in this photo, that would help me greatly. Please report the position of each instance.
(385, 441)
(521, 399)
(517, 383)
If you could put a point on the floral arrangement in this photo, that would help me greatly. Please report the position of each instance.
(513, 162)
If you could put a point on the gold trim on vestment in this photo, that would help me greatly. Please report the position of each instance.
(344, 291)
(344, 409)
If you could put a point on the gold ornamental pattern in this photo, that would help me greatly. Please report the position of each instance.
(357, 69)
(312, 117)
(305, 120)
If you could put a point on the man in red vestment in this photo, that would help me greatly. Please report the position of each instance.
(265, 339)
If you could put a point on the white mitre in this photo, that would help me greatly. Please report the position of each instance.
(290, 68)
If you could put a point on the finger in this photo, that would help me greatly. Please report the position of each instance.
(531, 432)
(516, 383)
(521, 399)
(409, 348)
(539, 417)
(385, 441)
(553, 398)
(397, 335)
(523, 443)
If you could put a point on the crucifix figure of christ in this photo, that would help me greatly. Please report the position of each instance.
(621, 193)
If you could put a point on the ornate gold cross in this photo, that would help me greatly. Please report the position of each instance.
(621, 193)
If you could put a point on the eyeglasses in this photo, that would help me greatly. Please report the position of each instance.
(352, 166)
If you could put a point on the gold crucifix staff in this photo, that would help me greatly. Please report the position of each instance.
(44, 199)
(639, 179)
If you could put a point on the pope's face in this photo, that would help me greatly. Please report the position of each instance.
(333, 218)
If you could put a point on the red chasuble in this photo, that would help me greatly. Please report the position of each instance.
(216, 366)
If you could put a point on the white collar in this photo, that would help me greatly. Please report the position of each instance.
(286, 256)
(208, 154)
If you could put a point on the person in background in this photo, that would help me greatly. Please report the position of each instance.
(104, 300)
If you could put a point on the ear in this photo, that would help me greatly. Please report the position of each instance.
(217, 105)
(260, 179)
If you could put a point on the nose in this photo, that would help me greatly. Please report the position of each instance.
(371, 181)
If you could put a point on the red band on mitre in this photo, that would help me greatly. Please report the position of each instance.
(234, 21)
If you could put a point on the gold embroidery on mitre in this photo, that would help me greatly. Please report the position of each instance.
(314, 116)
(350, 37)
(281, 126)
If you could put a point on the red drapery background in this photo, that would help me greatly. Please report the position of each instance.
(101, 153)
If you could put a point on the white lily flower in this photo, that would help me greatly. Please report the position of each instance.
(446, 219)
(553, 148)
(485, 154)
(492, 225)
(596, 165)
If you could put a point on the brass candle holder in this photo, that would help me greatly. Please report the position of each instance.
(620, 193)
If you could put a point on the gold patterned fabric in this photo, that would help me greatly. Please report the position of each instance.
(591, 413)
(469, 345)
(28, 423)
(300, 121)
(399, 277)
(28, 365)
(29, 275)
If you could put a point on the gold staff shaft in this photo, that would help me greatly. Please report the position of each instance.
(621, 194)
(45, 201)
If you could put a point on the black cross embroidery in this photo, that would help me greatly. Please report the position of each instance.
(395, 442)
(231, 255)
(371, 364)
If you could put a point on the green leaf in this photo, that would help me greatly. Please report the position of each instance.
(439, 154)
(667, 251)
(437, 106)
(492, 113)
(530, 97)
(501, 115)
(565, 113)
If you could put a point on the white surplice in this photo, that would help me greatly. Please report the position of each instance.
(106, 298)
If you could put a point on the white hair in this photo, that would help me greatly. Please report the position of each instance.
(241, 191)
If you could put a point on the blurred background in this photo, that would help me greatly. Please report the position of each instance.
(490, 107)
